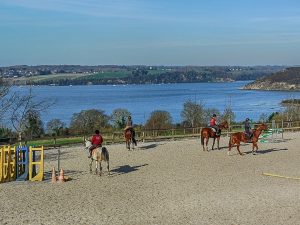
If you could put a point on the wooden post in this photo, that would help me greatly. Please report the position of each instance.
(58, 159)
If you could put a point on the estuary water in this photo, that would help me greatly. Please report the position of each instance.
(141, 100)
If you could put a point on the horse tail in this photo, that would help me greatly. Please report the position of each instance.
(202, 138)
(105, 154)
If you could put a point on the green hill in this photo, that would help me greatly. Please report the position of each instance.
(288, 79)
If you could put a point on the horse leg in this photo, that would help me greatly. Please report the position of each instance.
(238, 148)
(108, 167)
(255, 146)
(218, 142)
(230, 145)
(91, 165)
(100, 168)
(96, 171)
(206, 143)
(212, 148)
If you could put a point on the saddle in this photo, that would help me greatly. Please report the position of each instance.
(248, 136)
(215, 131)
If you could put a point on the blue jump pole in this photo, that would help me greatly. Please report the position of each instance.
(22, 163)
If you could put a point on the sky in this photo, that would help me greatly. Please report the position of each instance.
(149, 32)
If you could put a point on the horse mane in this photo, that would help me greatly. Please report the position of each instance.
(222, 124)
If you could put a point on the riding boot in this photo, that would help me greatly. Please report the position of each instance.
(134, 141)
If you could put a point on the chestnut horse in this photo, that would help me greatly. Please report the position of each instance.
(208, 132)
(236, 138)
(128, 139)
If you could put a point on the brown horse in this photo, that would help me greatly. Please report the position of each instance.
(236, 138)
(128, 139)
(208, 132)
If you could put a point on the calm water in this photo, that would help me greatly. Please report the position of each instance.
(141, 100)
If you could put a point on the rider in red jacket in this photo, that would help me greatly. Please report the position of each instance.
(213, 124)
(96, 141)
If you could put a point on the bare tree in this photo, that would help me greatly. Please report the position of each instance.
(228, 114)
(55, 126)
(24, 105)
(7, 98)
(193, 113)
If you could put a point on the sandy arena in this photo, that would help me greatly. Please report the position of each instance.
(170, 182)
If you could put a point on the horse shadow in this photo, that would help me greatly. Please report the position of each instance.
(280, 140)
(268, 150)
(145, 147)
(125, 169)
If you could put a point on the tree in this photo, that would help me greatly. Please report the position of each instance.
(55, 126)
(6, 98)
(263, 117)
(33, 124)
(25, 110)
(87, 121)
(193, 113)
(159, 120)
(228, 114)
(118, 117)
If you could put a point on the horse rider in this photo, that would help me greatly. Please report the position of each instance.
(214, 124)
(248, 129)
(129, 126)
(96, 141)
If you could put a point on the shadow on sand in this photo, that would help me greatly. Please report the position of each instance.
(145, 147)
(267, 150)
(125, 169)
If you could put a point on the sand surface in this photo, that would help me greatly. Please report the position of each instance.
(171, 182)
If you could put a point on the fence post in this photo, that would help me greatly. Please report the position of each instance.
(113, 137)
(1, 162)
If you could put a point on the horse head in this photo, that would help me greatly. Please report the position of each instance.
(224, 124)
(87, 143)
(262, 126)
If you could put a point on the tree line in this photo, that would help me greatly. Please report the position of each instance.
(24, 114)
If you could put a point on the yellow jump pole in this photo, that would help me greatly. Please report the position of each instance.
(279, 176)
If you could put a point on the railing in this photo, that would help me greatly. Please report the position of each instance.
(172, 134)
